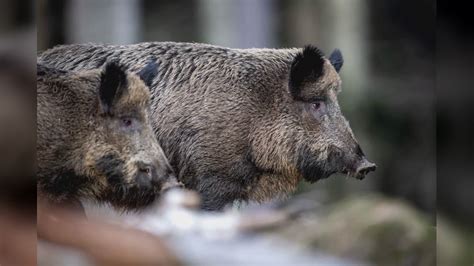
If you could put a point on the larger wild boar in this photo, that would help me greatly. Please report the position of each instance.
(95, 140)
(239, 124)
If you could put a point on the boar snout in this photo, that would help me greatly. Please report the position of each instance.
(363, 167)
(145, 174)
(149, 176)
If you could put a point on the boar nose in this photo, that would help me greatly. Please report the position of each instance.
(364, 167)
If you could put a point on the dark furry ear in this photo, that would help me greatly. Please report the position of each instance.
(113, 83)
(336, 59)
(149, 72)
(307, 65)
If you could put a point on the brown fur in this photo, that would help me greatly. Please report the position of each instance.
(239, 124)
(85, 150)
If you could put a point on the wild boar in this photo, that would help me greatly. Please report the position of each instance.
(94, 137)
(239, 124)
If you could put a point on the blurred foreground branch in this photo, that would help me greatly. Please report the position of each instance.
(103, 243)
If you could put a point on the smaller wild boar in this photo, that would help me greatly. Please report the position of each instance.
(94, 137)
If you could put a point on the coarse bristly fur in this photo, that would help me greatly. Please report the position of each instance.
(95, 140)
(239, 124)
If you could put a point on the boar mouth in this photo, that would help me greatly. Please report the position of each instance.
(317, 174)
(353, 174)
(130, 196)
(312, 169)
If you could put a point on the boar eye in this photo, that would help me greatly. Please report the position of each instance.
(126, 122)
(318, 109)
(316, 105)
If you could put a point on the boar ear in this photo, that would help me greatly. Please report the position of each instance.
(307, 66)
(149, 72)
(113, 83)
(336, 59)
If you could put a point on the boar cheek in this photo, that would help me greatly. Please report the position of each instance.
(112, 167)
